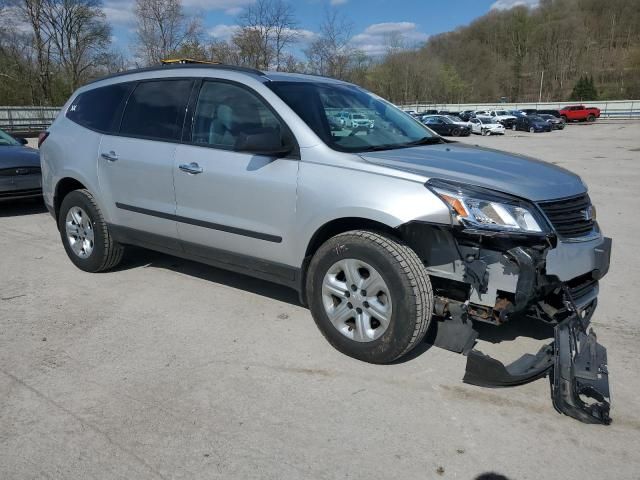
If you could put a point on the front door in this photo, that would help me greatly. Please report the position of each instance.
(229, 201)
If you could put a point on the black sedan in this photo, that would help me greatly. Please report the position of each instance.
(20, 175)
(532, 123)
(555, 122)
(445, 126)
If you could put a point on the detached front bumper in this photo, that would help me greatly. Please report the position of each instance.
(479, 278)
(575, 361)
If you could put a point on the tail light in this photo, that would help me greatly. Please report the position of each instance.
(42, 136)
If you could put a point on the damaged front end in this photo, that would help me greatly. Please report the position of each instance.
(492, 277)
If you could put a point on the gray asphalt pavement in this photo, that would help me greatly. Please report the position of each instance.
(169, 369)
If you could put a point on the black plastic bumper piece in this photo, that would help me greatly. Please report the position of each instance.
(576, 362)
(580, 380)
(484, 371)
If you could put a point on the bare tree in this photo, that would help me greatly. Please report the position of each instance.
(274, 24)
(32, 12)
(79, 36)
(331, 53)
(162, 28)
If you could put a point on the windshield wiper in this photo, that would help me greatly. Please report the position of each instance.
(395, 146)
(424, 141)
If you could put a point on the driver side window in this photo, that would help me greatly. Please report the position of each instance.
(226, 113)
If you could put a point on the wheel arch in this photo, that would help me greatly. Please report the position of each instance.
(330, 229)
(64, 186)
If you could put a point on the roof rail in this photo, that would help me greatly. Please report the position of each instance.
(179, 65)
(184, 61)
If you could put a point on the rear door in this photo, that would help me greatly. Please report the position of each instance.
(135, 168)
(229, 200)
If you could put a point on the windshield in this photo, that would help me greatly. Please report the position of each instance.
(536, 118)
(452, 119)
(318, 104)
(502, 112)
(6, 139)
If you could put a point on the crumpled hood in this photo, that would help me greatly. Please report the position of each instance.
(18, 156)
(518, 175)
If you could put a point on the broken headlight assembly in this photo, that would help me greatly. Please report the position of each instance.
(483, 209)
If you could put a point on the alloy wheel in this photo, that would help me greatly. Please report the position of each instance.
(79, 230)
(357, 300)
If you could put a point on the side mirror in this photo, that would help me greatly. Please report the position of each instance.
(268, 143)
(23, 141)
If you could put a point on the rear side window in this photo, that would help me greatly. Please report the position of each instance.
(100, 109)
(156, 109)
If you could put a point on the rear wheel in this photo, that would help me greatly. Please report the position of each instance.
(85, 234)
(370, 295)
(564, 118)
(514, 128)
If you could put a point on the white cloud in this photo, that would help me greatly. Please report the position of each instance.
(224, 32)
(374, 40)
(507, 4)
(121, 12)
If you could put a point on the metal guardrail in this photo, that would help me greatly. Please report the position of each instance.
(25, 120)
(610, 109)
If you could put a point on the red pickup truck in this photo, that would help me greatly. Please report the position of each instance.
(580, 113)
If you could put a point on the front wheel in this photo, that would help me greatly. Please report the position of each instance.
(370, 295)
(455, 132)
(85, 234)
(486, 133)
(591, 118)
(514, 128)
(532, 130)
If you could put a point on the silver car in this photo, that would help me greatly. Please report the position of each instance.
(385, 233)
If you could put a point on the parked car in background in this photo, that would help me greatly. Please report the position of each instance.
(354, 121)
(458, 121)
(532, 124)
(555, 113)
(485, 125)
(555, 122)
(503, 117)
(529, 111)
(517, 113)
(442, 125)
(579, 113)
(20, 175)
(466, 115)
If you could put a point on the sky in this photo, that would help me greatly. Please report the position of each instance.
(372, 20)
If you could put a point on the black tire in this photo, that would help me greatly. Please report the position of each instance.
(532, 130)
(591, 118)
(107, 253)
(564, 118)
(455, 132)
(409, 288)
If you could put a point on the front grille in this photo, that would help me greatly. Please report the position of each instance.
(13, 171)
(570, 217)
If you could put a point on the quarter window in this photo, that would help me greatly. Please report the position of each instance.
(156, 109)
(100, 109)
(226, 112)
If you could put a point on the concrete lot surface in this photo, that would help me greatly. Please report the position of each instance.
(169, 369)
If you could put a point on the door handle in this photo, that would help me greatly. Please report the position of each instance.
(111, 156)
(192, 168)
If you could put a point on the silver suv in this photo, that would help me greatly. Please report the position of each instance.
(385, 232)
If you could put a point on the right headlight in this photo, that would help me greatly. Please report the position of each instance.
(481, 208)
